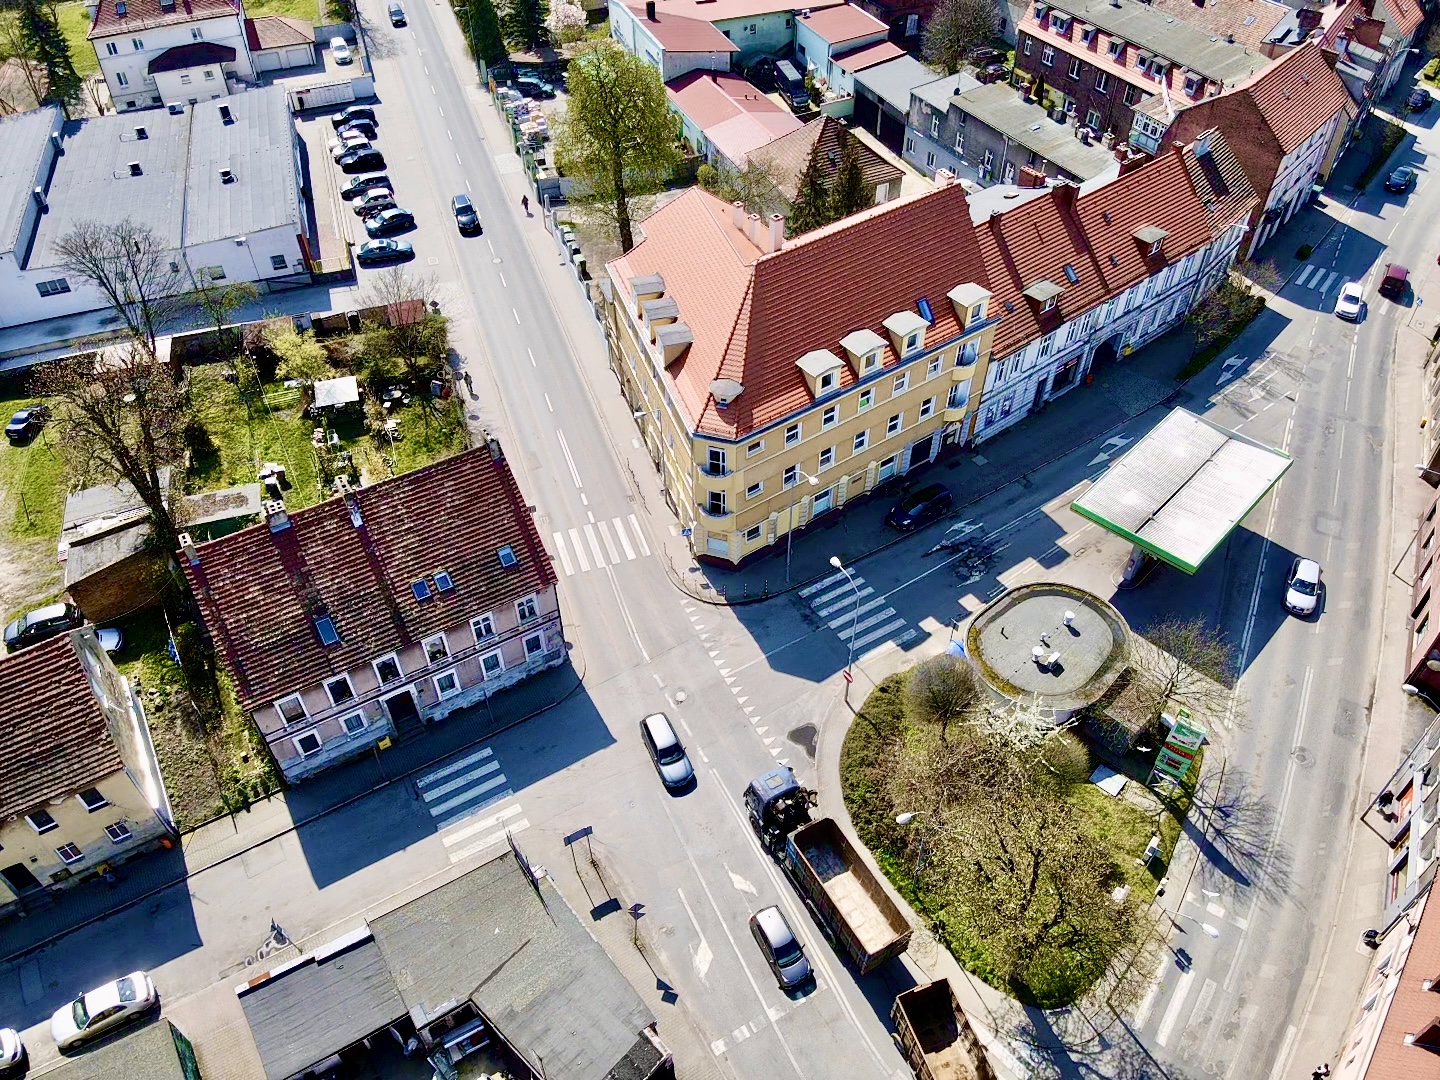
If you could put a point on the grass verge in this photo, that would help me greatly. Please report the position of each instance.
(1245, 312)
(1391, 136)
(308, 10)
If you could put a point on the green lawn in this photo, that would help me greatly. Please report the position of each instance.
(33, 478)
(75, 24)
(308, 10)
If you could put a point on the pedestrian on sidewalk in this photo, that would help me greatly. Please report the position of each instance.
(525, 204)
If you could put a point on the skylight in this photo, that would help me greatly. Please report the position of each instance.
(325, 627)
(443, 583)
(1070, 274)
(507, 556)
(923, 306)
(421, 589)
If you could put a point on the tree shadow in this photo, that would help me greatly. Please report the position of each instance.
(1235, 828)
(1073, 1044)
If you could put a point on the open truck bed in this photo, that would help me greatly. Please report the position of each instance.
(937, 1039)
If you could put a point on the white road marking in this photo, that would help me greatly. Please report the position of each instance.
(594, 545)
(532, 356)
(625, 614)
(1172, 1011)
(517, 316)
(809, 589)
(740, 883)
(609, 543)
(639, 536)
(884, 631)
(564, 556)
(489, 841)
(845, 633)
(440, 110)
(565, 449)
(844, 620)
(624, 540)
(547, 403)
(453, 767)
(459, 835)
(461, 781)
(703, 955)
(1280, 1062)
(579, 551)
(448, 135)
(1147, 1004)
(848, 602)
(467, 795)
(503, 283)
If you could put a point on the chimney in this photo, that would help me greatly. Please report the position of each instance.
(650, 10)
(493, 445)
(777, 232)
(39, 194)
(188, 546)
(1065, 194)
(944, 177)
(134, 168)
(752, 230)
(1030, 177)
(275, 516)
(737, 215)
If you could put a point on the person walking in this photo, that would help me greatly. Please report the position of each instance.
(525, 204)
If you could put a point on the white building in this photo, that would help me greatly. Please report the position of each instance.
(219, 182)
(158, 52)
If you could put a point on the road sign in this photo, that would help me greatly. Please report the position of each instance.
(848, 677)
(687, 532)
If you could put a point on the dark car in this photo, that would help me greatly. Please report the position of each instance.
(364, 128)
(26, 424)
(354, 161)
(1395, 282)
(397, 15)
(466, 218)
(991, 73)
(1418, 101)
(379, 252)
(534, 88)
(354, 112)
(374, 204)
(1401, 180)
(361, 184)
(986, 55)
(920, 507)
(40, 624)
(390, 221)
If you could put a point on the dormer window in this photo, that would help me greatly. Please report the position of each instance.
(1045, 295)
(970, 301)
(827, 381)
(866, 350)
(1152, 238)
(1041, 10)
(1193, 83)
(1117, 49)
(822, 370)
(1060, 23)
(907, 331)
(1087, 35)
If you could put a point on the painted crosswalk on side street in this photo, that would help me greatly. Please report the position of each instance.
(464, 798)
(1319, 279)
(591, 545)
(859, 618)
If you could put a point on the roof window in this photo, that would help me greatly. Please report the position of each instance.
(923, 306)
(1070, 275)
(421, 589)
(119, 7)
(507, 557)
(325, 627)
(443, 582)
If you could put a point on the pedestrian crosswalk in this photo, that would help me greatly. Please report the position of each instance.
(859, 617)
(464, 798)
(1319, 279)
(589, 546)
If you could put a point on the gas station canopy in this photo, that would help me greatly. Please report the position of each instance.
(1183, 488)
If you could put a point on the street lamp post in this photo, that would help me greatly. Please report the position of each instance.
(905, 819)
(1415, 691)
(854, 621)
(1209, 930)
(790, 526)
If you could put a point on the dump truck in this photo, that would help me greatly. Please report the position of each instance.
(936, 1037)
(844, 897)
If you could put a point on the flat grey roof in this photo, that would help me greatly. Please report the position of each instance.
(150, 1052)
(324, 1002)
(1155, 31)
(893, 80)
(179, 193)
(997, 105)
(22, 148)
(531, 968)
(1183, 488)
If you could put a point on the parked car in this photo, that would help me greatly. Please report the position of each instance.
(1351, 301)
(1418, 101)
(666, 751)
(390, 221)
(44, 622)
(379, 252)
(103, 1009)
(340, 50)
(354, 112)
(110, 639)
(532, 87)
(361, 161)
(1401, 180)
(1395, 282)
(991, 73)
(467, 219)
(781, 949)
(984, 54)
(920, 507)
(12, 1051)
(397, 15)
(1302, 587)
(364, 129)
(374, 203)
(340, 147)
(359, 185)
(26, 424)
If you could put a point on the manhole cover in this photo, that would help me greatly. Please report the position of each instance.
(1301, 755)
(473, 416)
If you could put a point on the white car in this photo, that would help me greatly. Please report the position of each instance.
(340, 50)
(1351, 301)
(103, 1009)
(12, 1050)
(1302, 587)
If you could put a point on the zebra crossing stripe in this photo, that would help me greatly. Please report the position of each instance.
(463, 780)
(809, 590)
(456, 836)
(848, 632)
(489, 841)
(624, 540)
(579, 550)
(844, 620)
(639, 535)
(884, 631)
(1305, 276)
(604, 527)
(454, 767)
(850, 601)
(468, 795)
(564, 555)
(841, 591)
(594, 546)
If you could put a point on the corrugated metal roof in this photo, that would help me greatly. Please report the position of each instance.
(1182, 489)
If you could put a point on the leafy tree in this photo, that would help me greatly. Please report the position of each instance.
(121, 416)
(413, 341)
(45, 44)
(617, 138)
(811, 208)
(956, 27)
(133, 268)
(482, 28)
(942, 690)
(524, 23)
(847, 193)
(301, 356)
(757, 185)
(566, 22)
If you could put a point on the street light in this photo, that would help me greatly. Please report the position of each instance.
(790, 527)
(905, 819)
(1415, 691)
(854, 622)
(1209, 930)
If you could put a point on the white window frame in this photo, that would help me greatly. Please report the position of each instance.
(865, 399)
(348, 685)
(1028, 45)
(827, 380)
(935, 126)
(529, 603)
(111, 49)
(755, 489)
(279, 711)
(312, 733)
(70, 860)
(933, 367)
(539, 650)
(792, 434)
(1073, 69)
(861, 442)
(488, 619)
(830, 417)
(399, 668)
(498, 657)
(826, 458)
(756, 447)
(120, 828)
(1102, 83)
(89, 808)
(895, 424)
(121, 79)
(790, 477)
(1047, 56)
(345, 722)
(442, 694)
(41, 830)
(901, 384)
(927, 408)
(425, 644)
(754, 534)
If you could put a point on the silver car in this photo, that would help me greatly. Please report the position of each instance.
(1302, 587)
(665, 751)
(782, 951)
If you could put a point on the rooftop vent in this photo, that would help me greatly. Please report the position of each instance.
(325, 627)
(923, 306)
(167, 5)
(275, 516)
(507, 557)
(141, 133)
(444, 582)
(187, 544)
(1070, 274)
(227, 176)
(175, 108)
(135, 168)
(226, 116)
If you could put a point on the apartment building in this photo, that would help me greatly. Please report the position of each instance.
(1099, 60)
(772, 380)
(349, 624)
(159, 52)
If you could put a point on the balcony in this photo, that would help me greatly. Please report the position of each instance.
(714, 511)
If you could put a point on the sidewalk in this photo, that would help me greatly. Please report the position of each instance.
(225, 838)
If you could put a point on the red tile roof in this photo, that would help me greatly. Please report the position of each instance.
(682, 33)
(55, 741)
(844, 23)
(1407, 15)
(146, 14)
(735, 116)
(1219, 181)
(719, 10)
(1412, 1009)
(277, 31)
(260, 591)
(867, 56)
(1296, 96)
(1228, 17)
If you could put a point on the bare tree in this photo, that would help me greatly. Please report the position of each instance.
(412, 338)
(942, 690)
(13, 47)
(1182, 662)
(954, 28)
(219, 300)
(757, 185)
(122, 417)
(138, 274)
(98, 93)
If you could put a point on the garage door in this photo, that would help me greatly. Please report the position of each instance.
(267, 61)
(299, 56)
